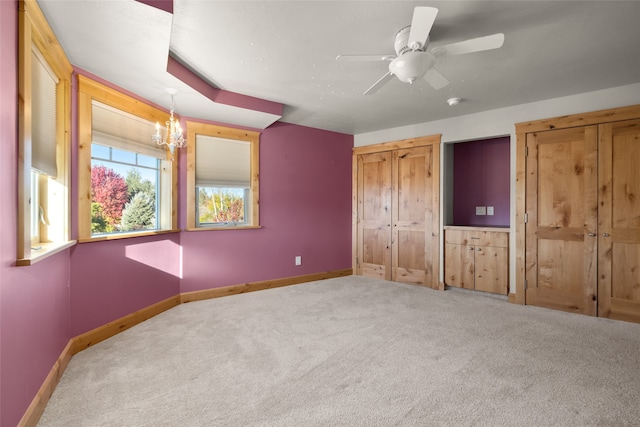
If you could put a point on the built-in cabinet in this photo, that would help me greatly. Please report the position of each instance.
(396, 207)
(578, 205)
(477, 258)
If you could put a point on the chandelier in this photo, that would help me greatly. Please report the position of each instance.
(173, 131)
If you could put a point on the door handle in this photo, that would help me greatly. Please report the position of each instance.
(592, 234)
(605, 234)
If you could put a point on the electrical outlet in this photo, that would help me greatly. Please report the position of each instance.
(489, 210)
(481, 210)
(298, 260)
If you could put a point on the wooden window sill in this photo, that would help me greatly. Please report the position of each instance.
(127, 235)
(242, 227)
(46, 250)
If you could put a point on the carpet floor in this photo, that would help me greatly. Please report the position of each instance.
(354, 351)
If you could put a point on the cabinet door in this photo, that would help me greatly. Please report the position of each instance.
(374, 215)
(619, 221)
(491, 270)
(458, 266)
(414, 201)
(561, 204)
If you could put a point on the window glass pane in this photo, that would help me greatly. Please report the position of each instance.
(124, 195)
(217, 205)
(123, 156)
(100, 152)
(148, 161)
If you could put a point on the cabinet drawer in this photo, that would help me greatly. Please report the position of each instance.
(479, 238)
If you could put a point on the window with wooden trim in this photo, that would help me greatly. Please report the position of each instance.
(44, 117)
(127, 183)
(222, 177)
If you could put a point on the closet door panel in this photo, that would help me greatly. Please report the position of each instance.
(619, 221)
(374, 215)
(561, 205)
(409, 265)
(413, 215)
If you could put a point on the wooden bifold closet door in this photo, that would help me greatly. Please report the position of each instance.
(397, 211)
(561, 226)
(619, 221)
(582, 222)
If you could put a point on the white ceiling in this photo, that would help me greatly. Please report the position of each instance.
(284, 51)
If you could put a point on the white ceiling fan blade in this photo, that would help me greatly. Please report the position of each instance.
(435, 79)
(479, 44)
(421, 23)
(364, 58)
(377, 85)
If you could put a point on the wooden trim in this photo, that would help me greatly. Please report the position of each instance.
(583, 119)
(522, 129)
(401, 144)
(430, 140)
(23, 249)
(354, 213)
(253, 137)
(436, 224)
(110, 329)
(128, 235)
(46, 251)
(33, 30)
(39, 402)
(258, 286)
(89, 90)
(512, 298)
(521, 161)
(45, 39)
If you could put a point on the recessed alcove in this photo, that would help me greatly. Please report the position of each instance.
(477, 183)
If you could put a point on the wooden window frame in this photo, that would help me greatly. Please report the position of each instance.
(89, 91)
(34, 31)
(253, 137)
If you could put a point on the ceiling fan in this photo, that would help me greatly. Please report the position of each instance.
(412, 60)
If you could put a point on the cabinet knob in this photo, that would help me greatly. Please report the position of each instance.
(592, 234)
(478, 249)
(605, 234)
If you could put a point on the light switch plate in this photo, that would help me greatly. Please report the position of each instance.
(489, 210)
(481, 210)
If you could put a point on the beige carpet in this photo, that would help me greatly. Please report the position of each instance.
(356, 352)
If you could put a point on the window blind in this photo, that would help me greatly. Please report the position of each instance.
(118, 129)
(43, 115)
(222, 162)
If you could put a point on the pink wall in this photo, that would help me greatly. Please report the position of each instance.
(34, 301)
(481, 178)
(114, 278)
(305, 209)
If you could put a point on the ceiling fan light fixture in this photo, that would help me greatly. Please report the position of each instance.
(411, 66)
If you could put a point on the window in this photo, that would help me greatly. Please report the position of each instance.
(127, 183)
(222, 177)
(43, 124)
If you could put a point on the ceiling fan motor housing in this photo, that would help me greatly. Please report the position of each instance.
(401, 44)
